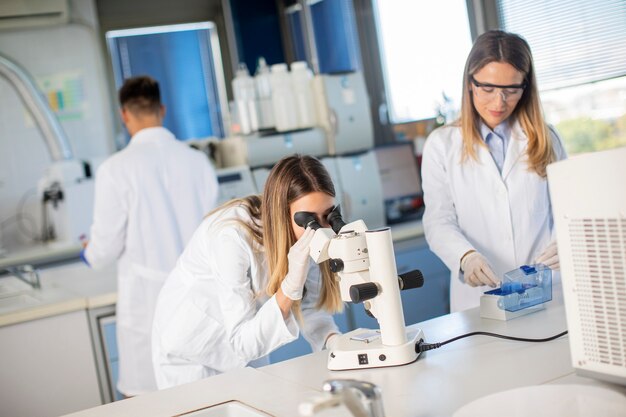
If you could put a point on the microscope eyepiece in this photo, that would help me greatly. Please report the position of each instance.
(306, 219)
(335, 220)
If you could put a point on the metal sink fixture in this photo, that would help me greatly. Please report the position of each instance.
(26, 274)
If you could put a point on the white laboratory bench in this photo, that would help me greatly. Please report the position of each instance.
(45, 332)
(49, 360)
(406, 231)
(438, 384)
(74, 286)
(64, 288)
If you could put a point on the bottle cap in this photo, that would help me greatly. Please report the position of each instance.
(298, 65)
(279, 68)
(242, 70)
(262, 67)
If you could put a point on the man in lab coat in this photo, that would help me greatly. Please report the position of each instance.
(149, 199)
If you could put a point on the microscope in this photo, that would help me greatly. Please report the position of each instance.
(365, 265)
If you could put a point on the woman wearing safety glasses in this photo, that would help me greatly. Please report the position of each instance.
(484, 176)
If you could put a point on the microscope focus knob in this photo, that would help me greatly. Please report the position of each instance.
(363, 292)
(411, 279)
(336, 265)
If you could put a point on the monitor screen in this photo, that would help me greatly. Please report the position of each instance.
(402, 186)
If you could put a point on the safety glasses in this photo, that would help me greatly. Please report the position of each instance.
(486, 91)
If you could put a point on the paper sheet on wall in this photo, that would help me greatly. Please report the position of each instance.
(65, 93)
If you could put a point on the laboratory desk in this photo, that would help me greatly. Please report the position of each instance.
(406, 231)
(438, 384)
(64, 288)
(49, 362)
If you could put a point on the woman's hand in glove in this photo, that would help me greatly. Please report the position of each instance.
(550, 257)
(298, 259)
(477, 271)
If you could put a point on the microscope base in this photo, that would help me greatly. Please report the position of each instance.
(363, 348)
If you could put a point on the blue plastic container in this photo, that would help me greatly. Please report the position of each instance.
(524, 287)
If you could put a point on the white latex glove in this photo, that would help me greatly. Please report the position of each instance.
(298, 259)
(477, 272)
(550, 257)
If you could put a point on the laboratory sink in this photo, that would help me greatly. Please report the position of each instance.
(17, 296)
(11, 286)
(19, 300)
(228, 409)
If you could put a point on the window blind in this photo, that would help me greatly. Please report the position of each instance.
(573, 41)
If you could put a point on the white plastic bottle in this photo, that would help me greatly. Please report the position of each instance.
(301, 78)
(245, 100)
(264, 95)
(283, 99)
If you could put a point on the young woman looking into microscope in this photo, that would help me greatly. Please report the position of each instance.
(245, 284)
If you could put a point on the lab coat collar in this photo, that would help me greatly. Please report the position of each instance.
(485, 158)
(516, 149)
(503, 130)
(151, 134)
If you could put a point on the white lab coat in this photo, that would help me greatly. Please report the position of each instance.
(506, 217)
(149, 199)
(213, 314)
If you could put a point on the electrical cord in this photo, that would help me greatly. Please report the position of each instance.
(423, 347)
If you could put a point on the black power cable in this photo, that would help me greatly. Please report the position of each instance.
(423, 347)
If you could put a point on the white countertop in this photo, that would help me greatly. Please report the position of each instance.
(75, 286)
(408, 230)
(438, 384)
(41, 253)
(64, 288)
(261, 391)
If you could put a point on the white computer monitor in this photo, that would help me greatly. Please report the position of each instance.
(401, 183)
(588, 195)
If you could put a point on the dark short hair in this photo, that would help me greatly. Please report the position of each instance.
(140, 95)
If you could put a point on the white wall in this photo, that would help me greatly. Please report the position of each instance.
(48, 51)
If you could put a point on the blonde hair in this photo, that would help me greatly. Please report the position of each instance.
(291, 178)
(499, 46)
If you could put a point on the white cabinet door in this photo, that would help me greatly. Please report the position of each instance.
(47, 367)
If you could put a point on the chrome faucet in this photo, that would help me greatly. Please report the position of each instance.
(27, 274)
(363, 399)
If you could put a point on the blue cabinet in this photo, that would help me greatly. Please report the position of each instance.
(336, 37)
(301, 347)
(429, 301)
(335, 33)
(433, 299)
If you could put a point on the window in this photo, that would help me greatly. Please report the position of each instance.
(424, 46)
(185, 59)
(578, 48)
